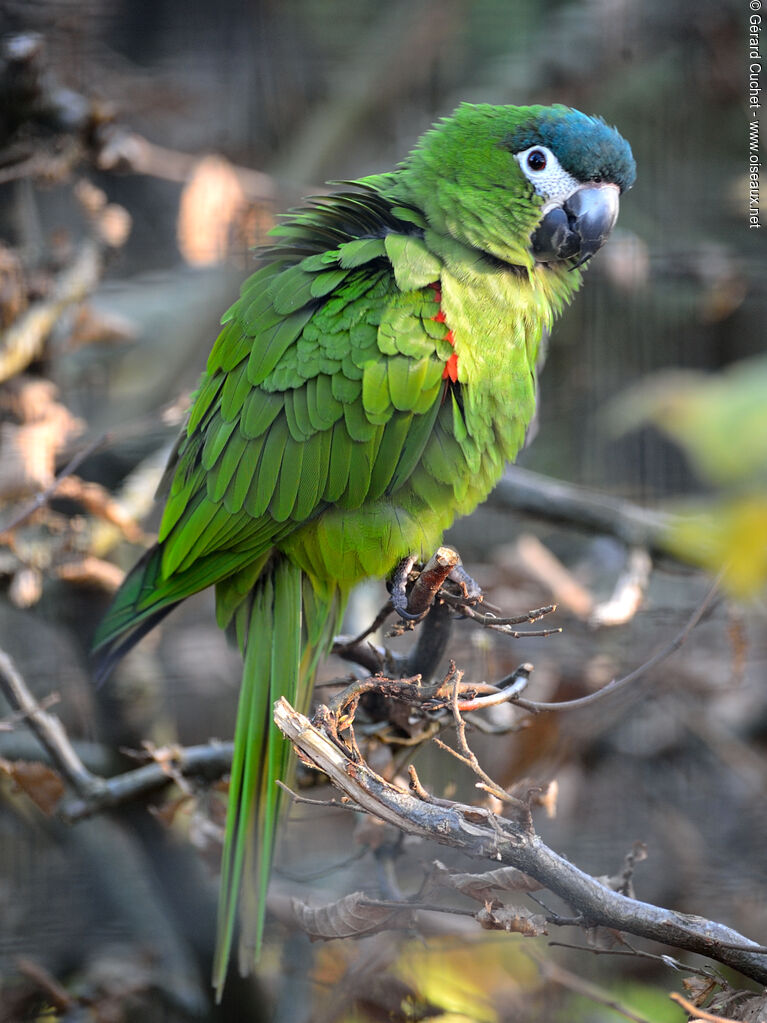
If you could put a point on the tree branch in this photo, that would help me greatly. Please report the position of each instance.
(24, 340)
(620, 683)
(483, 835)
(94, 793)
(49, 731)
(566, 503)
(209, 760)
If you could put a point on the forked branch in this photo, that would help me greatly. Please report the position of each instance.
(484, 835)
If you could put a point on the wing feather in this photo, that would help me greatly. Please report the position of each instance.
(323, 388)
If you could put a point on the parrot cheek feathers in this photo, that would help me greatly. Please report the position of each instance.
(579, 227)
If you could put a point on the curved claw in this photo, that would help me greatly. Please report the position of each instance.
(403, 612)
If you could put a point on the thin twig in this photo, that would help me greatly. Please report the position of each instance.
(490, 619)
(416, 786)
(551, 971)
(333, 803)
(667, 960)
(429, 907)
(307, 876)
(467, 755)
(620, 683)
(341, 644)
(508, 689)
(504, 625)
(210, 760)
(697, 1014)
(49, 731)
(10, 721)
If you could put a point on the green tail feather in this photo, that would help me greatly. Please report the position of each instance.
(280, 650)
(283, 625)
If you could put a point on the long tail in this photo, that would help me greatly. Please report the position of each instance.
(284, 622)
(282, 626)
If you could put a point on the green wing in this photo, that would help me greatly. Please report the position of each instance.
(316, 393)
(321, 390)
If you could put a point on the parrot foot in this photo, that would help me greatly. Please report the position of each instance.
(413, 605)
(469, 587)
(399, 594)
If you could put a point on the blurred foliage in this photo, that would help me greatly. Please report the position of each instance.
(720, 423)
(648, 1003)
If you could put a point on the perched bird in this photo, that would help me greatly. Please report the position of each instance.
(368, 386)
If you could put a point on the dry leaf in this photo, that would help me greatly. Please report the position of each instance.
(479, 886)
(740, 1006)
(353, 916)
(38, 781)
(90, 571)
(30, 443)
(699, 988)
(513, 919)
(210, 205)
(26, 587)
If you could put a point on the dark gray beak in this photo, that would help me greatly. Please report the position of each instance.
(578, 228)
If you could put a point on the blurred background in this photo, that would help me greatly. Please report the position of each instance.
(145, 148)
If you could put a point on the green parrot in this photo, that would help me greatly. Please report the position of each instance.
(367, 387)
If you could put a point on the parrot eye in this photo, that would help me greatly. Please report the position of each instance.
(536, 160)
(545, 173)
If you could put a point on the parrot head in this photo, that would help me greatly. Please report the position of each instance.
(528, 185)
(578, 166)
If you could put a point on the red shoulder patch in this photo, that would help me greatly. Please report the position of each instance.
(450, 371)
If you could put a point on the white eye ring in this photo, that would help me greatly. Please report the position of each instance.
(550, 180)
